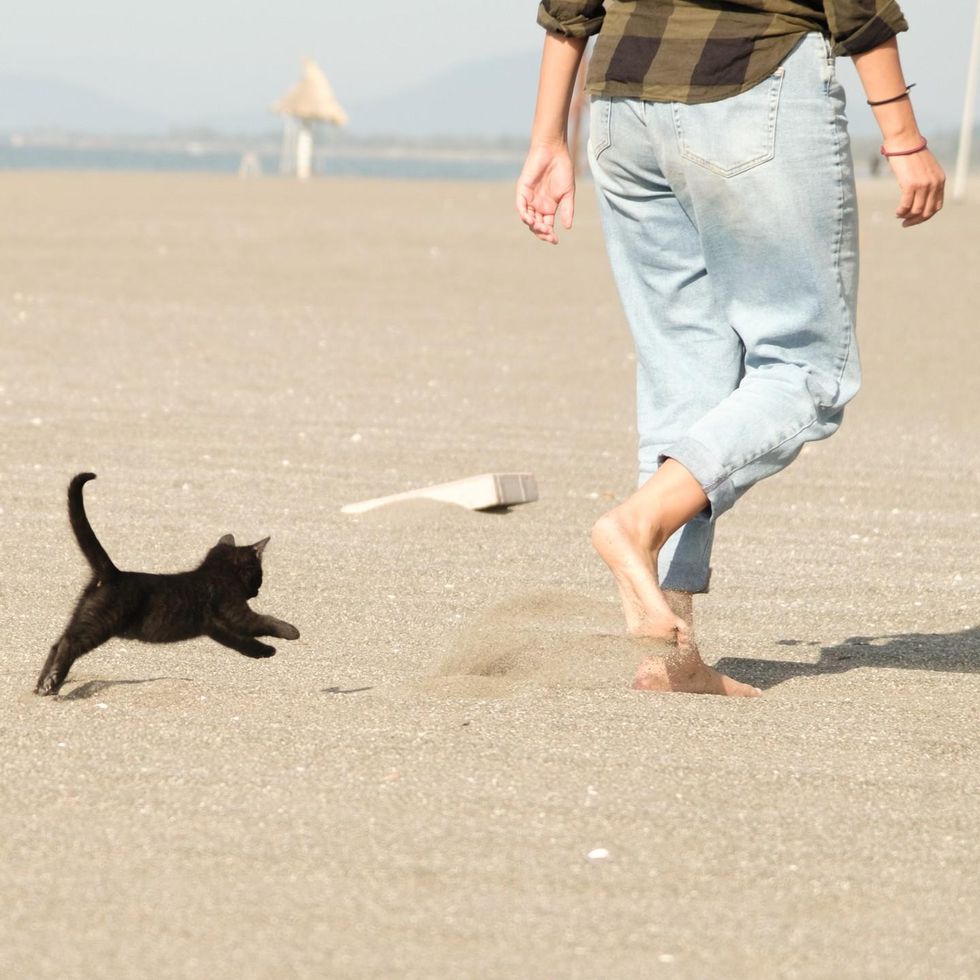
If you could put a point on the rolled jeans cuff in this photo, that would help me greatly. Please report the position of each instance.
(708, 470)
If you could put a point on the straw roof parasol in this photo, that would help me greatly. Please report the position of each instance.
(312, 99)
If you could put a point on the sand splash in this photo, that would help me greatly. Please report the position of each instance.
(550, 639)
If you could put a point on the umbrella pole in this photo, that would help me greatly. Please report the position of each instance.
(304, 149)
(285, 152)
(969, 103)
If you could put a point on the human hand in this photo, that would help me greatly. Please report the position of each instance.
(546, 187)
(922, 182)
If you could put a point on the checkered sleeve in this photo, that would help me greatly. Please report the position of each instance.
(573, 19)
(859, 25)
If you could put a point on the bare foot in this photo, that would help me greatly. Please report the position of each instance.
(683, 670)
(629, 539)
(630, 550)
(654, 675)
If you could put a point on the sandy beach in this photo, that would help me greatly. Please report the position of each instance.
(415, 787)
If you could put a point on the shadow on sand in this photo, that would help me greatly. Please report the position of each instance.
(90, 688)
(955, 653)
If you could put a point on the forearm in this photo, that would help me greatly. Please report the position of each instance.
(556, 85)
(919, 175)
(880, 71)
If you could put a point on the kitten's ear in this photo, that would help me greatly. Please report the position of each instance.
(227, 539)
(259, 546)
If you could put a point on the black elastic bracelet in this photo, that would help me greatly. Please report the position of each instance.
(896, 98)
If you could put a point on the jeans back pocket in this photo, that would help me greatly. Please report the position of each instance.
(732, 135)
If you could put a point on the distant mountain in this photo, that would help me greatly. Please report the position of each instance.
(484, 99)
(44, 103)
(489, 98)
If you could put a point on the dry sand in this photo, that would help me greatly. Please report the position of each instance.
(414, 787)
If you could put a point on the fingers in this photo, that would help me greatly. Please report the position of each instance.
(566, 210)
(911, 206)
(542, 225)
(931, 199)
(919, 204)
(906, 203)
(539, 216)
(546, 188)
(937, 197)
(532, 216)
(525, 195)
(922, 184)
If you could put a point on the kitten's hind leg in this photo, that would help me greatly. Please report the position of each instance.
(243, 644)
(96, 618)
(55, 668)
(63, 654)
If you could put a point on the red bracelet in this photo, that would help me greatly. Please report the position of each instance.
(903, 153)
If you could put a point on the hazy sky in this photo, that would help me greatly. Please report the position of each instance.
(188, 59)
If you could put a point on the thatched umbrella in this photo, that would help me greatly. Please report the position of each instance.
(310, 100)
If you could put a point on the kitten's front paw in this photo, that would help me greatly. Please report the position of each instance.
(288, 632)
(260, 651)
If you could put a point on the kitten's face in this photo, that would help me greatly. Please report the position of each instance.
(245, 561)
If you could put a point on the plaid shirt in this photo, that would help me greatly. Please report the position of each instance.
(704, 50)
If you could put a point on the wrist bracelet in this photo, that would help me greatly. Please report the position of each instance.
(903, 153)
(895, 98)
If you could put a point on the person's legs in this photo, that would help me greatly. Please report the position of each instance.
(688, 358)
(780, 246)
(629, 539)
(630, 536)
(688, 361)
(771, 217)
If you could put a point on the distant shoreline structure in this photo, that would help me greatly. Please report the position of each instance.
(208, 152)
(205, 151)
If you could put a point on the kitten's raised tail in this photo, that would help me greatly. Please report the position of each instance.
(94, 552)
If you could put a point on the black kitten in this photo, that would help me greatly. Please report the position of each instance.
(212, 600)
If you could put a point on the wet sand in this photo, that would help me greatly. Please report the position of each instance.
(413, 788)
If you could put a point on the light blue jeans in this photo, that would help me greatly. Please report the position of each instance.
(731, 227)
